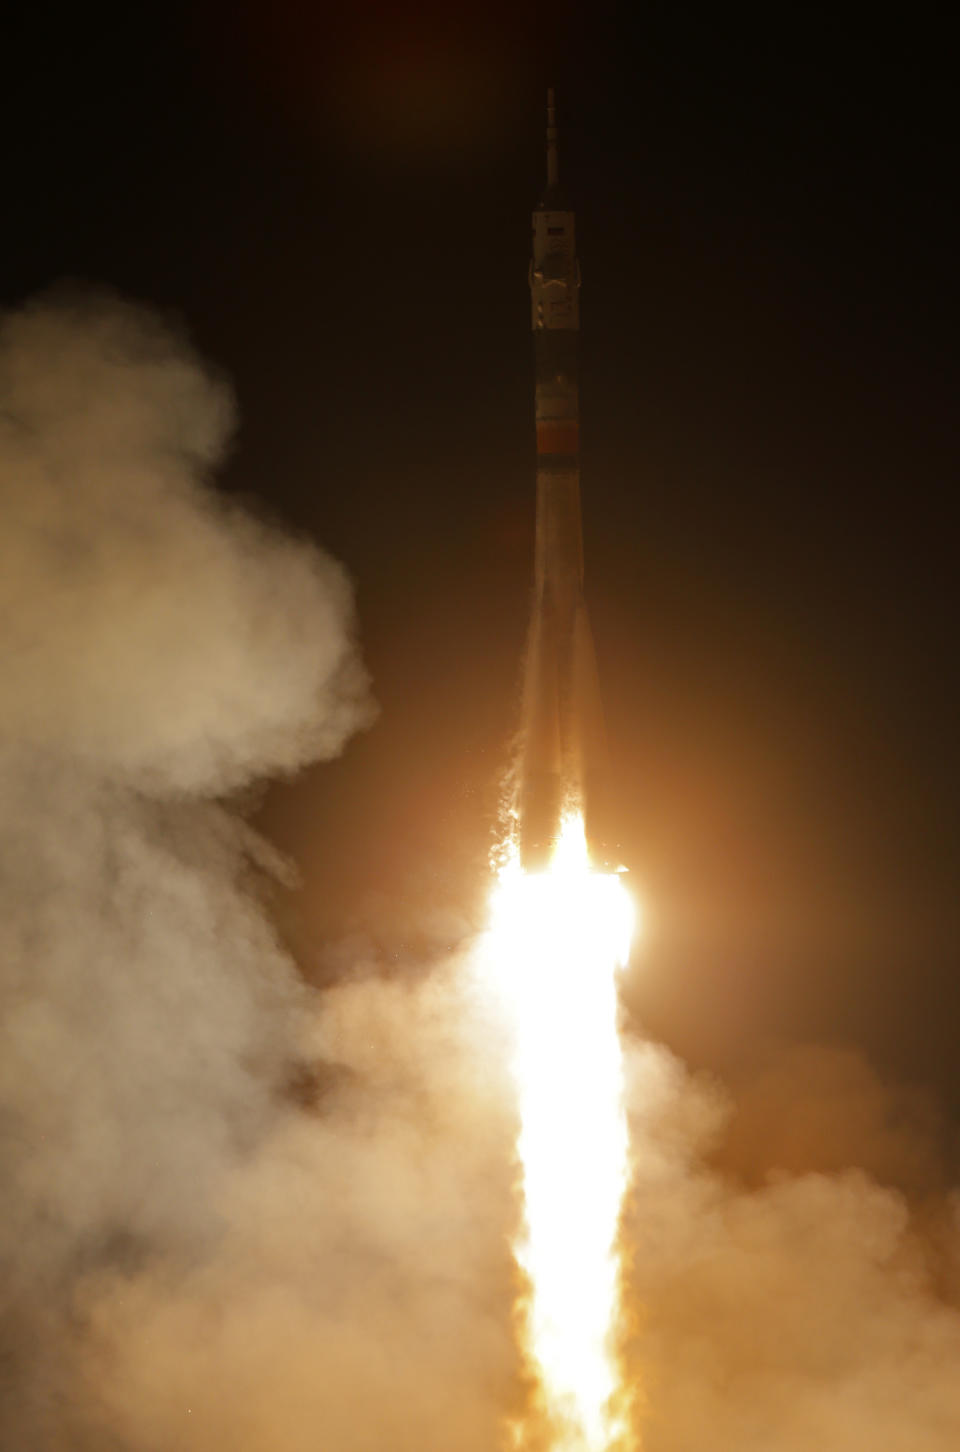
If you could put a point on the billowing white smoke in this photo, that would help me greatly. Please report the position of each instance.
(158, 646)
(193, 1260)
(152, 634)
(189, 1257)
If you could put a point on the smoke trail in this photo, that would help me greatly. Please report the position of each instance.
(192, 1257)
(158, 647)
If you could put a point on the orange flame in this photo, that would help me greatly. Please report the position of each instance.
(557, 940)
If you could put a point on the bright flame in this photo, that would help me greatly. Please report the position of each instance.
(558, 938)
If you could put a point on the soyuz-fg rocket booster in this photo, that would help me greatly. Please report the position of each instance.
(563, 762)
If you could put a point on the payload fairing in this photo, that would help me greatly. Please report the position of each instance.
(563, 765)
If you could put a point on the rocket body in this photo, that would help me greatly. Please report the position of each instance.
(563, 755)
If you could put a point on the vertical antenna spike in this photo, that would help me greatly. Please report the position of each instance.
(553, 161)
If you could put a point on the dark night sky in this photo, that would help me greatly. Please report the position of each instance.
(336, 203)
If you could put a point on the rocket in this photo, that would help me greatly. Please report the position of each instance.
(563, 755)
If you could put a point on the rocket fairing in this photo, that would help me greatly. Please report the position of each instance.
(563, 762)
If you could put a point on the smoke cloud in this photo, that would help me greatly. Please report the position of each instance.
(153, 634)
(810, 1311)
(240, 1214)
(159, 647)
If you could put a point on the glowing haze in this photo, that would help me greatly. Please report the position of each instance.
(557, 939)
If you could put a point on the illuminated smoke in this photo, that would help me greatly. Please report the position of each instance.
(198, 1250)
(153, 634)
(816, 1310)
(191, 1258)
